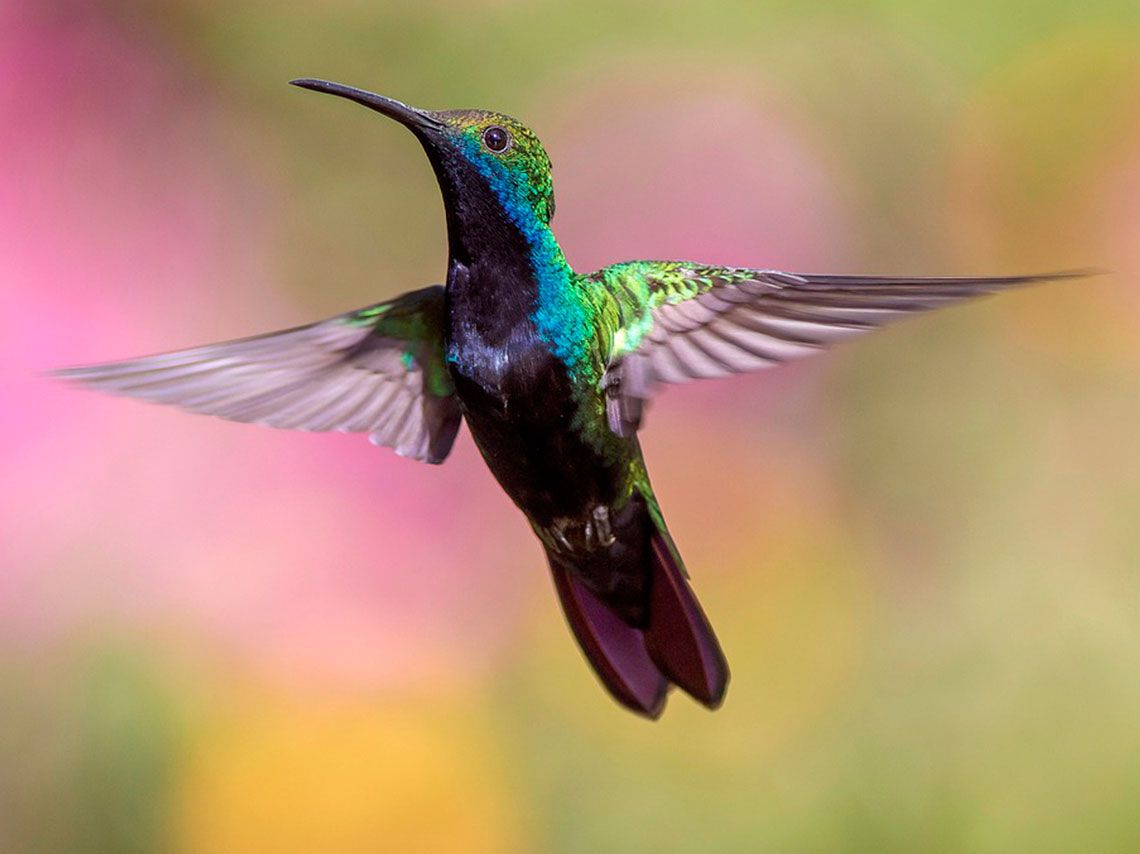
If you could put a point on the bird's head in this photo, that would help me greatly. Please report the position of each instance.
(473, 151)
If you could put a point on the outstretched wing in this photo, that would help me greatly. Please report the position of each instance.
(678, 321)
(379, 370)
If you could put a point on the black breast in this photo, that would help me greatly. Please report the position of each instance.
(520, 403)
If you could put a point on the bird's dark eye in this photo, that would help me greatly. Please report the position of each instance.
(496, 138)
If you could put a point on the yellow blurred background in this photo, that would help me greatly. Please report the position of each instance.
(921, 552)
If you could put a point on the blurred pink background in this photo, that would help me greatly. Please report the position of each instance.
(920, 551)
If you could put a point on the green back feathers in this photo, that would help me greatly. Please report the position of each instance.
(637, 288)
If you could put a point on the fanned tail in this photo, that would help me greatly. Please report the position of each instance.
(637, 660)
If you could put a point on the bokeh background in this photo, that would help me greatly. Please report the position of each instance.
(921, 552)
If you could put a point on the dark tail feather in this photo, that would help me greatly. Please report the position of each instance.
(670, 640)
(616, 650)
(679, 638)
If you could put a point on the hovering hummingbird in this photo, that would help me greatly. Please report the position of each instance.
(552, 370)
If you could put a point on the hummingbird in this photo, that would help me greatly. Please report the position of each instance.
(552, 370)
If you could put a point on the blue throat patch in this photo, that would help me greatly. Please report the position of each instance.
(563, 318)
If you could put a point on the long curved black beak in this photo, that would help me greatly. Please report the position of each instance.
(401, 112)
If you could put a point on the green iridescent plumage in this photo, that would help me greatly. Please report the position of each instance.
(636, 288)
(417, 320)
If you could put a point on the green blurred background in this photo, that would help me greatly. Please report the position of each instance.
(921, 552)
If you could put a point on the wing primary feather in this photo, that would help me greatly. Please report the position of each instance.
(709, 321)
(365, 371)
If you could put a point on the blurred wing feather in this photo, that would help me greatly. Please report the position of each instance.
(677, 321)
(379, 370)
